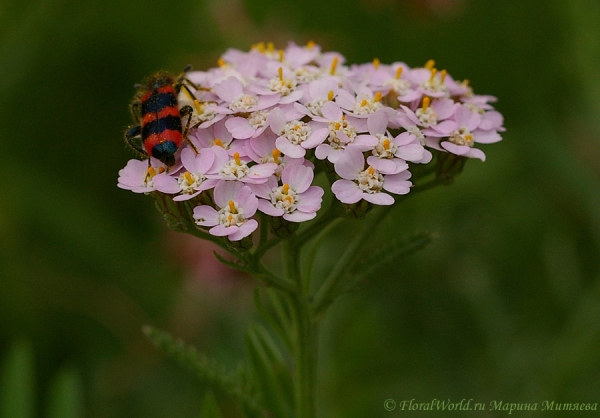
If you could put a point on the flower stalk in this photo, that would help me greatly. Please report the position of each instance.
(305, 335)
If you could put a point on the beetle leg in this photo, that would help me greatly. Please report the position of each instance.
(134, 109)
(187, 111)
(130, 135)
(182, 80)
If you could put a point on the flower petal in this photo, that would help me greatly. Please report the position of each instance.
(346, 191)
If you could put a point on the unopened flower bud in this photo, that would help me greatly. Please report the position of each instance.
(242, 244)
(357, 210)
(449, 166)
(175, 213)
(282, 228)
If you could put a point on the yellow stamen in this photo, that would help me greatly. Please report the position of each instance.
(386, 143)
(363, 103)
(232, 207)
(236, 157)
(276, 154)
(218, 142)
(151, 172)
(371, 170)
(376, 63)
(433, 73)
(189, 177)
(443, 75)
(343, 117)
(337, 126)
(377, 97)
(281, 55)
(334, 64)
(429, 65)
(161, 170)
(330, 95)
(230, 219)
(465, 82)
(271, 47)
(399, 73)
(310, 44)
(286, 188)
(290, 199)
(197, 104)
(221, 62)
(259, 46)
(280, 72)
(426, 103)
(469, 138)
(296, 127)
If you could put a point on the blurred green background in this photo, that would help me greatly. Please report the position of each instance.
(504, 306)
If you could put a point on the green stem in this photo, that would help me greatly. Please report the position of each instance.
(331, 287)
(261, 272)
(312, 253)
(326, 293)
(318, 225)
(266, 246)
(264, 229)
(425, 186)
(305, 336)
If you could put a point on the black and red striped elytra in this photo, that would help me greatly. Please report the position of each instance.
(155, 110)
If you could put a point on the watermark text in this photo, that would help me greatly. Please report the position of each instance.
(494, 405)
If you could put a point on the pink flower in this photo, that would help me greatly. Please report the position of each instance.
(392, 78)
(247, 63)
(237, 168)
(217, 135)
(343, 132)
(491, 121)
(296, 200)
(431, 82)
(280, 80)
(191, 182)
(359, 183)
(295, 136)
(431, 114)
(260, 116)
(297, 56)
(263, 149)
(361, 104)
(248, 127)
(316, 94)
(463, 133)
(138, 176)
(389, 156)
(236, 203)
(236, 100)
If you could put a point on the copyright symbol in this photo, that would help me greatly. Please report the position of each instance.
(389, 405)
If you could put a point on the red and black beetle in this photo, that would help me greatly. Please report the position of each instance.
(155, 110)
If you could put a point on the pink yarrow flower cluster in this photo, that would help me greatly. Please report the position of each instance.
(263, 118)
